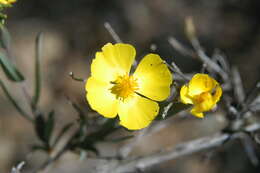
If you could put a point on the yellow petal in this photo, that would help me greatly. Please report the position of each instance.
(153, 77)
(196, 112)
(113, 61)
(217, 94)
(137, 112)
(102, 70)
(201, 83)
(119, 56)
(206, 104)
(100, 98)
(184, 95)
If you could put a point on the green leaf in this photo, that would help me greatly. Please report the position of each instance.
(40, 127)
(88, 144)
(14, 102)
(107, 128)
(5, 38)
(82, 117)
(49, 126)
(37, 87)
(44, 128)
(10, 70)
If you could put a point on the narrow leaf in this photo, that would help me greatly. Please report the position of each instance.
(88, 145)
(5, 38)
(49, 126)
(10, 70)
(37, 87)
(14, 102)
(40, 127)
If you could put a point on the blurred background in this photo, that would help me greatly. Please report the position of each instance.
(74, 31)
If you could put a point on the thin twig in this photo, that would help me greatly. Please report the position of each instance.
(211, 65)
(76, 78)
(180, 47)
(18, 168)
(220, 57)
(177, 70)
(252, 95)
(174, 68)
(178, 151)
(112, 32)
(205, 59)
(126, 149)
(59, 153)
(248, 145)
(238, 86)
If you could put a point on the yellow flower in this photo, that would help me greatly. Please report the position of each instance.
(203, 92)
(7, 2)
(112, 90)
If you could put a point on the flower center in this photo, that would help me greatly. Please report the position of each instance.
(124, 86)
(202, 97)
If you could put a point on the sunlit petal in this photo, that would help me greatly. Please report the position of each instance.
(201, 83)
(184, 95)
(207, 103)
(153, 77)
(100, 98)
(195, 111)
(102, 70)
(217, 94)
(119, 56)
(137, 113)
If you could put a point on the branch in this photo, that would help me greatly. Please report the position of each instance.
(18, 168)
(112, 32)
(178, 151)
(187, 148)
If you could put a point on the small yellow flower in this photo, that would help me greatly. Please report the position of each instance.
(7, 2)
(203, 92)
(112, 90)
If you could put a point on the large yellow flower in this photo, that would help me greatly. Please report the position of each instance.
(203, 92)
(112, 90)
(7, 2)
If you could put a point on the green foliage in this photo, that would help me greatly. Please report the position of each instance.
(44, 128)
(8, 67)
(5, 38)
(37, 88)
(10, 70)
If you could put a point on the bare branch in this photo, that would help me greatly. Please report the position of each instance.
(211, 65)
(126, 149)
(112, 32)
(18, 168)
(76, 78)
(178, 151)
(221, 59)
(238, 86)
(177, 70)
(180, 48)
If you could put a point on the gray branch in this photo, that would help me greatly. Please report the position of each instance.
(178, 151)
(187, 148)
